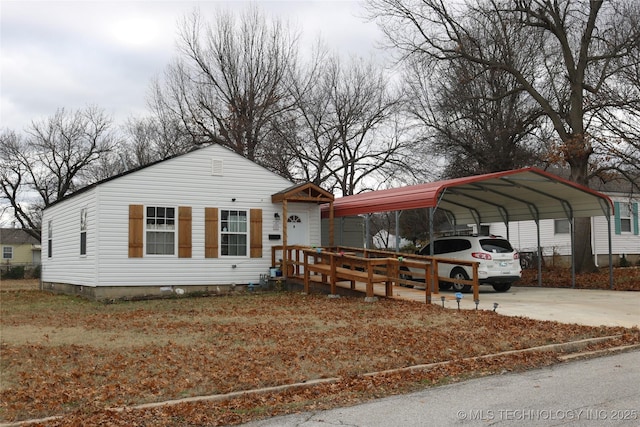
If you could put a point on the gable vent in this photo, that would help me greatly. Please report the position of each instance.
(216, 167)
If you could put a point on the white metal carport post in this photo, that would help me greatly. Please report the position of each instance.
(606, 209)
(533, 210)
(398, 213)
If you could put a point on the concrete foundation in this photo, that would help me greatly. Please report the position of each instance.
(127, 293)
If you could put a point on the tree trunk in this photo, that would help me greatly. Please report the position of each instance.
(584, 261)
(583, 250)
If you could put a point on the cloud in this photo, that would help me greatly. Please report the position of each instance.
(76, 53)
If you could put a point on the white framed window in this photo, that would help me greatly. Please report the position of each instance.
(160, 230)
(7, 252)
(50, 239)
(561, 226)
(626, 217)
(625, 225)
(234, 232)
(83, 231)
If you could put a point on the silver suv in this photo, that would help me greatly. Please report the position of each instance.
(499, 262)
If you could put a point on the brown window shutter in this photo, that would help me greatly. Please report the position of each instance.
(136, 230)
(211, 232)
(255, 232)
(184, 232)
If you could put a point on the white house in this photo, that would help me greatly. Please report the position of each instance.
(555, 234)
(195, 222)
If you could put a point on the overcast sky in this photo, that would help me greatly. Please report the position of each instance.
(73, 54)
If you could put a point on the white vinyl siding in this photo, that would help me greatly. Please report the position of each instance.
(181, 181)
(523, 236)
(61, 236)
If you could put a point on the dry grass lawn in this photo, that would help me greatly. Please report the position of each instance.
(68, 357)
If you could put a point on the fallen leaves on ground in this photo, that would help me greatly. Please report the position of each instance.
(625, 279)
(150, 351)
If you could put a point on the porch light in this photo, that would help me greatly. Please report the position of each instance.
(276, 215)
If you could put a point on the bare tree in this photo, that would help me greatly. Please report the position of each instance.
(150, 139)
(53, 160)
(342, 132)
(227, 84)
(621, 151)
(581, 47)
(479, 120)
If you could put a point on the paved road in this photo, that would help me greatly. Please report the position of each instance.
(603, 391)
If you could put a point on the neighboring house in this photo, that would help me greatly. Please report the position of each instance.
(348, 231)
(385, 240)
(19, 248)
(555, 234)
(194, 222)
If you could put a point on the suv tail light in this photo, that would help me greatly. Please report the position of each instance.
(481, 255)
(516, 256)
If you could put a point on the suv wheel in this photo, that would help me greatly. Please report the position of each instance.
(460, 274)
(501, 287)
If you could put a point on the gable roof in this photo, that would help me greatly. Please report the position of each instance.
(516, 195)
(306, 192)
(17, 236)
(149, 165)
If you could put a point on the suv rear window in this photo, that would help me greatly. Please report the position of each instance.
(499, 246)
(447, 246)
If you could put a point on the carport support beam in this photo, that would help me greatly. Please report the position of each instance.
(434, 278)
(610, 248)
(398, 231)
(539, 253)
(367, 231)
(573, 254)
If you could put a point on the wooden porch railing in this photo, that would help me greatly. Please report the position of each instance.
(342, 263)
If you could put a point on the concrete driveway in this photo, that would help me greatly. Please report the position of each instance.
(582, 306)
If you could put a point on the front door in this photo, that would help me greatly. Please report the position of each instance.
(297, 229)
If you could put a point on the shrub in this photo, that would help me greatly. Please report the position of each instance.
(35, 272)
(624, 262)
(16, 272)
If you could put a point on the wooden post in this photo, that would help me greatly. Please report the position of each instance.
(306, 273)
(428, 277)
(369, 279)
(285, 269)
(331, 224)
(392, 266)
(332, 262)
(435, 275)
(476, 284)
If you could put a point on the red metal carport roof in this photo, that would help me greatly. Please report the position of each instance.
(515, 195)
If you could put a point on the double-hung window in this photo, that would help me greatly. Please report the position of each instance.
(626, 217)
(160, 230)
(561, 226)
(7, 252)
(83, 231)
(625, 224)
(50, 239)
(233, 232)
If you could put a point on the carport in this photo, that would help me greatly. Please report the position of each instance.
(515, 195)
